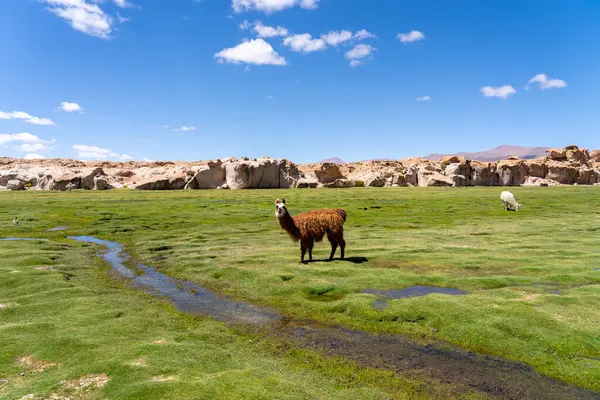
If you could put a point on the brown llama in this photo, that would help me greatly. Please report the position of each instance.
(312, 226)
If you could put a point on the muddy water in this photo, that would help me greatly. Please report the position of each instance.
(186, 296)
(414, 291)
(493, 376)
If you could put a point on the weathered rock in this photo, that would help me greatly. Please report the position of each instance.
(340, 183)
(587, 176)
(557, 154)
(484, 174)
(88, 179)
(463, 169)
(263, 173)
(304, 183)
(210, 176)
(67, 181)
(162, 182)
(447, 160)
(565, 173)
(424, 172)
(437, 179)
(537, 167)
(536, 181)
(15, 184)
(512, 172)
(328, 173)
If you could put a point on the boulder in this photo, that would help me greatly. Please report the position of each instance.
(512, 172)
(162, 182)
(245, 174)
(424, 171)
(437, 179)
(463, 169)
(411, 175)
(587, 176)
(328, 173)
(15, 184)
(483, 174)
(537, 167)
(340, 183)
(210, 176)
(557, 154)
(447, 160)
(67, 181)
(575, 154)
(88, 179)
(537, 181)
(562, 172)
(304, 183)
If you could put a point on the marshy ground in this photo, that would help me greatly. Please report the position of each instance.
(531, 283)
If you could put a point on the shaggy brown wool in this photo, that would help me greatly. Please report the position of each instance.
(312, 226)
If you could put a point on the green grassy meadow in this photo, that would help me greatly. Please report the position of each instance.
(532, 277)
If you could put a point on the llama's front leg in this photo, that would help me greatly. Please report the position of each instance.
(302, 253)
(333, 249)
(310, 249)
(342, 247)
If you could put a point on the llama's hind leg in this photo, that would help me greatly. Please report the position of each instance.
(310, 246)
(302, 252)
(342, 247)
(334, 246)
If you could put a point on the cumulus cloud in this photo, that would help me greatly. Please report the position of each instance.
(364, 34)
(264, 31)
(334, 38)
(83, 16)
(423, 98)
(245, 25)
(502, 92)
(355, 63)
(359, 51)
(186, 129)
(26, 142)
(304, 43)
(33, 156)
(413, 36)
(24, 116)
(70, 107)
(255, 51)
(122, 19)
(546, 83)
(123, 3)
(97, 153)
(271, 6)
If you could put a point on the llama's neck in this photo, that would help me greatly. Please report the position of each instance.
(287, 223)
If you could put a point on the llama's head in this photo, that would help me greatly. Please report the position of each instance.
(517, 207)
(280, 209)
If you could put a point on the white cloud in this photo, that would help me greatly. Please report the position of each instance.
(83, 16)
(271, 6)
(33, 156)
(269, 97)
(123, 3)
(70, 107)
(245, 25)
(355, 63)
(413, 36)
(502, 92)
(28, 142)
(255, 51)
(97, 153)
(122, 19)
(334, 38)
(423, 98)
(269, 31)
(364, 34)
(304, 43)
(186, 129)
(359, 51)
(40, 121)
(546, 83)
(28, 118)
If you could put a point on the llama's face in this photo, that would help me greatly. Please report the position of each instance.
(518, 206)
(280, 209)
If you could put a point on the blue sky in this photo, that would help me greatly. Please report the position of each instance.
(355, 79)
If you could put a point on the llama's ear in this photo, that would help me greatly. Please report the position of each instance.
(277, 201)
(283, 201)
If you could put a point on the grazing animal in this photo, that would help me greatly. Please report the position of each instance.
(508, 199)
(312, 226)
(16, 221)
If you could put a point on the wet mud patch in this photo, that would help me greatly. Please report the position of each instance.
(186, 296)
(414, 291)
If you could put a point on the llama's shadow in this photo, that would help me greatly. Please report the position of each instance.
(353, 260)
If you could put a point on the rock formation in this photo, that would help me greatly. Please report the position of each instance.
(567, 166)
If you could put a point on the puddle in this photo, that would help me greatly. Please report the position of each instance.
(414, 291)
(491, 375)
(186, 296)
(58, 228)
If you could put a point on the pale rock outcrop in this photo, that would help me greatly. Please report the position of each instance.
(15, 184)
(536, 181)
(484, 174)
(305, 183)
(340, 183)
(511, 172)
(437, 179)
(209, 176)
(563, 172)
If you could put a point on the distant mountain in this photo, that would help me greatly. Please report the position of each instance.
(334, 160)
(497, 153)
